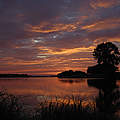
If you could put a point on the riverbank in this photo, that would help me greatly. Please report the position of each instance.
(66, 109)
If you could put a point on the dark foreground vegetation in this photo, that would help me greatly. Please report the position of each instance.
(11, 108)
(71, 108)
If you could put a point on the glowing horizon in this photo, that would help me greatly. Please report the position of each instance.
(48, 37)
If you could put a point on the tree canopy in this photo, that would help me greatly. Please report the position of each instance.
(107, 53)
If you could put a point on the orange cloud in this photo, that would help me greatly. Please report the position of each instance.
(68, 51)
(48, 28)
(104, 3)
(115, 39)
(102, 25)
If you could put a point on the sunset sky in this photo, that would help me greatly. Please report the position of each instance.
(50, 36)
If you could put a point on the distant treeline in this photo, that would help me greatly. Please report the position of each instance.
(13, 75)
(65, 74)
(23, 75)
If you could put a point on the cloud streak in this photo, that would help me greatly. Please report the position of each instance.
(45, 37)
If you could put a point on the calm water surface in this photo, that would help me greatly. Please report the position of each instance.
(34, 90)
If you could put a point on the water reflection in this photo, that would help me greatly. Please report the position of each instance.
(108, 99)
(71, 80)
(35, 90)
(49, 86)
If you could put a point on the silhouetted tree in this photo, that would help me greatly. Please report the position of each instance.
(107, 53)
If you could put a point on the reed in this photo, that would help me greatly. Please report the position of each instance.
(11, 108)
(68, 108)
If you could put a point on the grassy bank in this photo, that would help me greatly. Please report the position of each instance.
(71, 108)
(11, 108)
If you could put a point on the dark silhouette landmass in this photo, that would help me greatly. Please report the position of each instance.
(13, 75)
(23, 75)
(97, 71)
(43, 75)
(72, 74)
(101, 71)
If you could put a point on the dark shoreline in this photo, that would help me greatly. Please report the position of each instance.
(29, 76)
(23, 76)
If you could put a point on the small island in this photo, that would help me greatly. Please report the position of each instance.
(72, 74)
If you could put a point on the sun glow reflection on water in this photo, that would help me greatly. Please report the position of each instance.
(35, 90)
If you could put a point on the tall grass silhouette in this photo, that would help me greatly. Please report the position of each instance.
(68, 108)
(11, 108)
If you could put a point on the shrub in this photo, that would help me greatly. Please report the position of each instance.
(10, 107)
